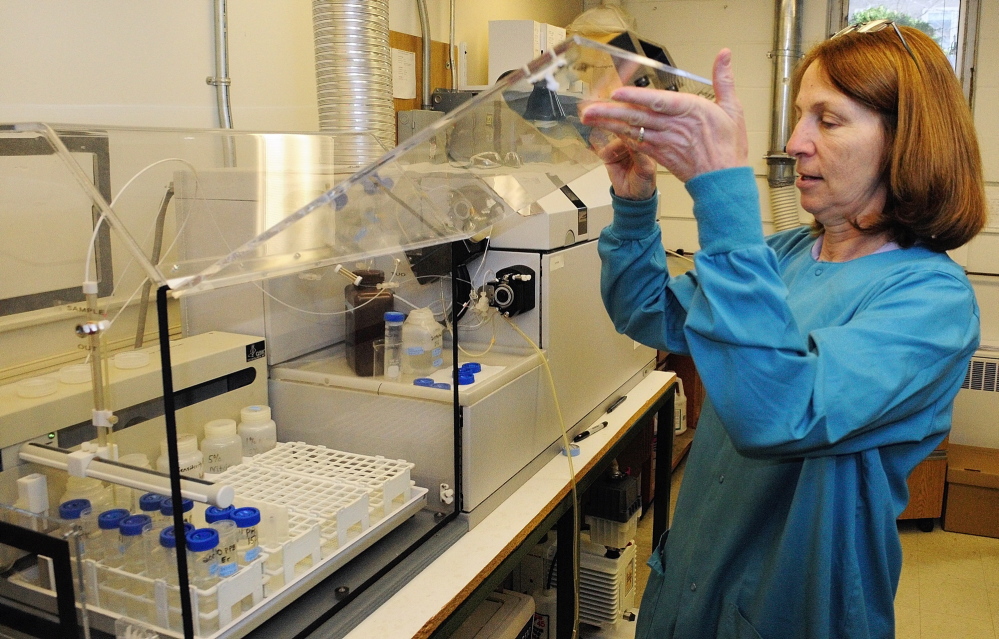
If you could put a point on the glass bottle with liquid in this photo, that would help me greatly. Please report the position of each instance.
(365, 321)
(247, 541)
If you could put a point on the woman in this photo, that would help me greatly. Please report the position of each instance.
(831, 356)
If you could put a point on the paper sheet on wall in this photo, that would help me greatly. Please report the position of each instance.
(403, 74)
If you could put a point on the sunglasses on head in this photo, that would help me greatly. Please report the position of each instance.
(877, 25)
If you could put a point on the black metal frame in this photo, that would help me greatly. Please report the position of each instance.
(58, 551)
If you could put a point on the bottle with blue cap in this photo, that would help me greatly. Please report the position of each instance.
(247, 540)
(78, 517)
(132, 559)
(393, 345)
(150, 504)
(187, 507)
(202, 564)
(161, 563)
(105, 545)
(422, 342)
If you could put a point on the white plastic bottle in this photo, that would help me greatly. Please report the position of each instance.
(422, 343)
(393, 344)
(257, 430)
(100, 496)
(189, 457)
(221, 446)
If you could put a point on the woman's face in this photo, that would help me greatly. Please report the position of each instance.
(839, 145)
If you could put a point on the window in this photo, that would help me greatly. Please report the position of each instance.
(952, 23)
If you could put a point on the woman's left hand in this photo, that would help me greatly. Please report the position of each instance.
(685, 133)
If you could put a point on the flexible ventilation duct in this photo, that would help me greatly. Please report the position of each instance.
(780, 174)
(354, 72)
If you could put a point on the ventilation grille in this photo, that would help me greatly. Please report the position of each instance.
(982, 374)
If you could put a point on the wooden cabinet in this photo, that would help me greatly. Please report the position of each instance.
(926, 488)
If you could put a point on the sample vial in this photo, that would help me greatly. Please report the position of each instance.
(221, 446)
(422, 341)
(150, 504)
(247, 542)
(106, 544)
(202, 562)
(186, 507)
(78, 516)
(161, 563)
(225, 552)
(393, 344)
(366, 307)
(133, 560)
(257, 430)
(189, 457)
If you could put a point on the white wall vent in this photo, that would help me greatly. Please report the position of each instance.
(976, 408)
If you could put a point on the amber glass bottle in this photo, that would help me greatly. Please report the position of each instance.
(366, 307)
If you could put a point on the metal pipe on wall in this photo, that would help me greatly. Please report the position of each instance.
(425, 31)
(221, 79)
(780, 165)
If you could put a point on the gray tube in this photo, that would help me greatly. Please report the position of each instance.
(787, 51)
(425, 31)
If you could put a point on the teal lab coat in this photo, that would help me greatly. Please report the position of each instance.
(827, 383)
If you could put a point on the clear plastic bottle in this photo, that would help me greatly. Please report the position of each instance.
(226, 550)
(202, 568)
(202, 564)
(104, 546)
(150, 504)
(189, 457)
(393, 344)
(247, 541)
(132, 531)
(221, 446)
(78, 516)
(422, 343)
(161, 563)
(257, 430)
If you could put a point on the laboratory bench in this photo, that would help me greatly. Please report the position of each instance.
(430, 592)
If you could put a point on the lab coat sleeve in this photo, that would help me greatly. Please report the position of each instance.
(643, 301)
(836, 390)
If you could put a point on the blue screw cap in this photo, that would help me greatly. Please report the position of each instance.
(423, 381)
(150, 502)
(167, 537)
(442, 386)
(470, 367)
(135, 525)
(111, 519)
(394, 316)
(74, 508)
(202, 539)
(465, 378)
(166, 507)
(246, 517)
(214, 513)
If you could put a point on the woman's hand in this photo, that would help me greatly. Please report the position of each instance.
(685, 133)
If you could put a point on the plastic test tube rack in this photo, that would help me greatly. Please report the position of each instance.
(388, 479)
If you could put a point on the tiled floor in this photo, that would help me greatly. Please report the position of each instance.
(949, 587)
